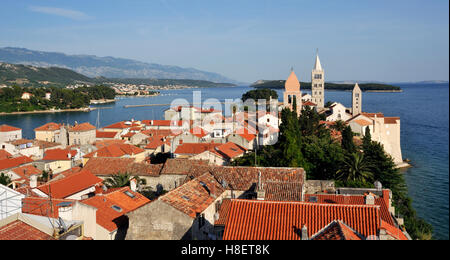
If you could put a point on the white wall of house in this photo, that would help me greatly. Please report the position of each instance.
(10, 202)
(10, 136)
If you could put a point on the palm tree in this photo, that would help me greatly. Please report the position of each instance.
(356, 169)
(122, 180)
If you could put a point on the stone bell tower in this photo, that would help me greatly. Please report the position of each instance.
(292, 92)
(356, 100)
(318, 84)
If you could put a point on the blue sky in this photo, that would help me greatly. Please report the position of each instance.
(247, 40)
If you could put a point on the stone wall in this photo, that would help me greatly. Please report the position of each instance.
(158, 221)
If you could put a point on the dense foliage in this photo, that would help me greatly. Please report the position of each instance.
(257, 94)
(305, 142)
(11, 98)
(279, 84)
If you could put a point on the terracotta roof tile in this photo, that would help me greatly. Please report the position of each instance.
(82, 127)
(59, 155)
(106, 215)
(231, 150)
(195, 148)
(107, 166)
(337, 230)
(44, 206)
(115, 150)
(14, 162)
(353, 200)
(268, 220)
(8, 128)
(18, 230)
(224, 209)
(391, 120)
(49, 127)
(70, 185)
(194, 196)
(4, 155)
(101, 134)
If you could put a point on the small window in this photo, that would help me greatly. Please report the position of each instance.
(116, 208)
(129, 194)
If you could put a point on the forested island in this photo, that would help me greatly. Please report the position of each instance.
(25, 99)
(279, 84)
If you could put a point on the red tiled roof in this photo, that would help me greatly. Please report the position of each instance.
(106, 215)
(156, 141)
(337, 230)
(353, 200)
(362, 122)
(8, 128)
(104, 143)
(48, 127)
(70, 185)
(14, 162)
(199, 132)
(372, 114)
(309, 103)
(268, 220)
(129, 134)
(393, 231)
(44, 206)
(107, 166)
(283, 191)
(19, 230)
(391, 120)
(121, 125)
(101, 134)
(26, 171)
(225, 206)
(184, 166)
(231, 150)
(194, 196)
(244, 133)
(4, 155)
(82, 127)
(195, 148)
(115, 150)
(243, 178)
(59, 154)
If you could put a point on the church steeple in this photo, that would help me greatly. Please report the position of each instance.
(318, 66)
(356, 100)
(292, 92)
(318, 84)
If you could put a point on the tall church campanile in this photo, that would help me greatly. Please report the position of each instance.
(292, 94)
(318, 84)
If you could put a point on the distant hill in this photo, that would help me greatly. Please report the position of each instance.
(109, 67)
(279, 84)
(31, 76)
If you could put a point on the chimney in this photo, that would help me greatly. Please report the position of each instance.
(133, 185)
(33, 181)
(370, 199)
(305, 233)
(260, 193)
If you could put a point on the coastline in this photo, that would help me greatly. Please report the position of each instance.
(85, 109)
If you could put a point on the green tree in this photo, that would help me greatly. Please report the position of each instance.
(356, 168)
(347, 140)
(122, 180)
(5, 179)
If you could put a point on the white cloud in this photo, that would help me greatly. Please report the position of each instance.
(72, 14)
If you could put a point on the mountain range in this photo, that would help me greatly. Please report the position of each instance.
(32, 76)
(109, 67)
